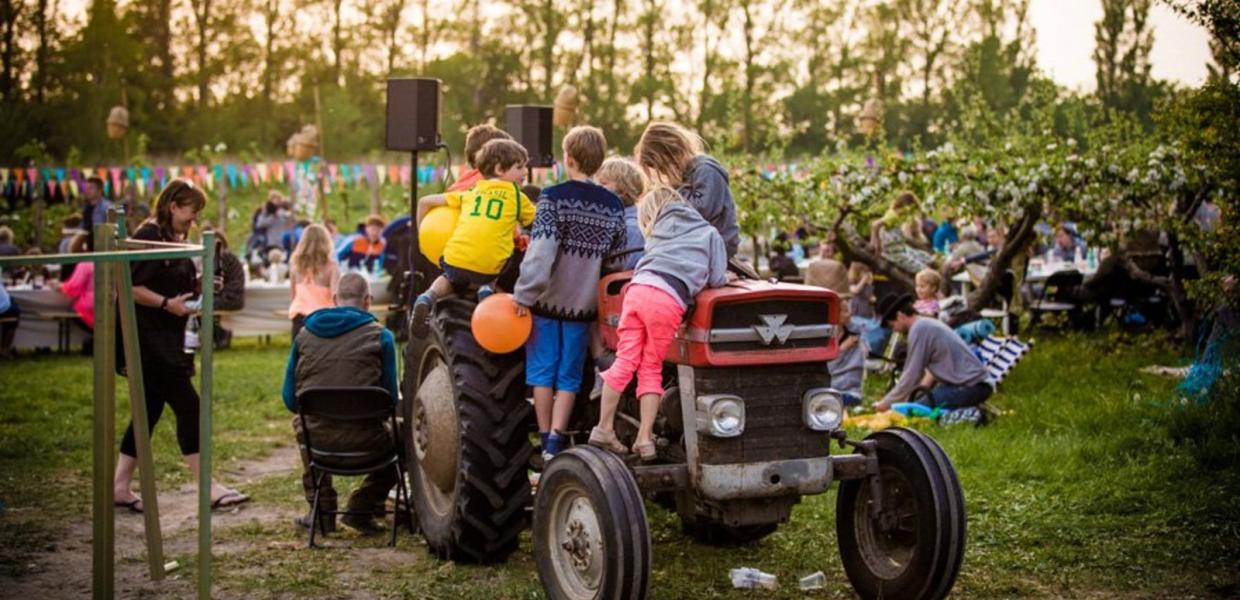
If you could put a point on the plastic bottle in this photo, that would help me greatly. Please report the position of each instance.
(1091, 261)
(748, 578)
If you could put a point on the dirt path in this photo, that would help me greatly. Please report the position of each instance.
(63, 570)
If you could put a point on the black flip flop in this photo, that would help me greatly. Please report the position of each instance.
(232, 498)
(132, 506)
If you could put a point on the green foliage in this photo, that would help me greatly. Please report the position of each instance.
(1207, 124)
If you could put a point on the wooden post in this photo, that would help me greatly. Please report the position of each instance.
(137, 408)
(103, 540)
(221, 208)
(39, 216)
(318, 122)
(206, 335)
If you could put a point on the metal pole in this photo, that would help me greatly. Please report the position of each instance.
(206, 334)
(105, 428)
(137, 408)
(413, 194)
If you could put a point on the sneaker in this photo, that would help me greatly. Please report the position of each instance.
(328, 523)
(962, 416)
(484, 292)
(364, 524)
(607, 440)
(421, 320)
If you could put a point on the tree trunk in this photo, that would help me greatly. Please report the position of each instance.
(39, 81)
(617, 8)
(648, 50)
(337, 43)
(1018, 239)
(475, 49)
(269, 67)
(750, 74)
(708, 15)
(548, 48)
(10, 11)
(202, 17)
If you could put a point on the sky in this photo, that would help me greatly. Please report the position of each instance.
(1065, 43)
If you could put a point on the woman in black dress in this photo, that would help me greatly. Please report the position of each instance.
(161, 289)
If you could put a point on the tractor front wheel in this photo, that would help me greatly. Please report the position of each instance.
(913, 546)
(591, 540)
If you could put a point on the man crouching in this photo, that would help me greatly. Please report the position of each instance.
(344, 346)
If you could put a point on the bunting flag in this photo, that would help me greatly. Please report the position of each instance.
(148, 180)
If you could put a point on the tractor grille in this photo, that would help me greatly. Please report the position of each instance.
(774, 429)
(734, 316)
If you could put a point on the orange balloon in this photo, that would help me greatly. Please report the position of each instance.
(496, 325)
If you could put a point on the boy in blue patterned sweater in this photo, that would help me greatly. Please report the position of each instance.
(578, 225)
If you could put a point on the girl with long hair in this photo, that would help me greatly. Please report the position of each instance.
(684, 255)
(312, 276)
(674, 156)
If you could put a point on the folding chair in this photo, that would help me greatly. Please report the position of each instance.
(1007, 289)
(351, 404)
(1056, 295)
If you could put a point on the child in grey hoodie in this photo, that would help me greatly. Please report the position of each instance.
(684, 255)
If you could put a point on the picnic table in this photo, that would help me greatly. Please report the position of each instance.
(46, 315)
(266, 307)
(46, 319)
(1038, 271)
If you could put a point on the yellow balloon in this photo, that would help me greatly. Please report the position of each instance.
(437, 226)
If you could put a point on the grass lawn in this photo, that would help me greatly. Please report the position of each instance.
(1076, 491)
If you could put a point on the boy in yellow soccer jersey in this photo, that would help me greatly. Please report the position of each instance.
(482, 240)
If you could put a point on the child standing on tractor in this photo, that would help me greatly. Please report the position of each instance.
(482, 241)
(578, 225)
(684, 255)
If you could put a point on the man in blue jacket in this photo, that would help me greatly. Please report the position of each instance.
(344, 346)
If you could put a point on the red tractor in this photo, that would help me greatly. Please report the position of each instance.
(744, 430)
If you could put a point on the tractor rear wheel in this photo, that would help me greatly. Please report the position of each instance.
(914, 546)
(466, 425)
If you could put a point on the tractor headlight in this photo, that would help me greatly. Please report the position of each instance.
(824, 410)
(720, 415)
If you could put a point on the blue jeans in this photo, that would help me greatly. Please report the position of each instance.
(949, 396)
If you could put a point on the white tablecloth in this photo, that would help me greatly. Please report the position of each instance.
(1037, 273)
(34, 332)
(262, 302)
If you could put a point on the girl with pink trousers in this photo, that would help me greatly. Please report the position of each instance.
(684, 254)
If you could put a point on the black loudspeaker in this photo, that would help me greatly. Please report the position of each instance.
(530, 126)
(413, 114)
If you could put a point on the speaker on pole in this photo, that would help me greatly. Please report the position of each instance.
(530, 126)
(413, 114)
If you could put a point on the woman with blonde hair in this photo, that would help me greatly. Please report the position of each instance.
(673, 156)
(684, 255)
(312, 276)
